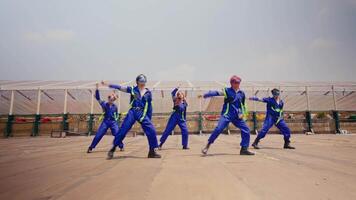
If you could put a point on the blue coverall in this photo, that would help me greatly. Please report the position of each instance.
(232, 111)
(141, 111)
(177, 117)
(109, 121)
(274, 116)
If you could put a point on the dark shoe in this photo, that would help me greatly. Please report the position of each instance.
(185, 148)
(255, 144)
(90, 150)
(111, 153)
(287, 146)
(160, 147)
(152, 154)
(245, 151)
(205, 150)
(122, 149)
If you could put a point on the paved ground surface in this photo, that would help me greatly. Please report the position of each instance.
(322, 167)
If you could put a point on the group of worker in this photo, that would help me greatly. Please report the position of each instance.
(233, 110)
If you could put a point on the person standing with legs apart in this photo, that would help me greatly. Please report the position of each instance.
(141, 111)
(110, 118)
(274, 116)
(233, 111)
(177, 117)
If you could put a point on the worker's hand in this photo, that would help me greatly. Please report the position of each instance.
(200, 96)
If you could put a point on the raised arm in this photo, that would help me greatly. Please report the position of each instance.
(213, 93)
(174, 92)
(97, 97)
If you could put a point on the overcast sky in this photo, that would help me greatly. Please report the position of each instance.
(280, 40)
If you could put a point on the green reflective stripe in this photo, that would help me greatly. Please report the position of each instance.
(116, 116)
(133, 99)
(144, 111)
(183, 115)
(280, 111)
(227, 108)
(228, 104)
(276, 110)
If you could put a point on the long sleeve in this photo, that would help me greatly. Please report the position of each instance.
(213, 94)
(264, 100)
(119, 87)
(174, 92)
(97, 97)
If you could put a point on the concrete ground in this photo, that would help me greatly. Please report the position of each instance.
(322, 167)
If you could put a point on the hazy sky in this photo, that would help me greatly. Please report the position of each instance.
(184, 39)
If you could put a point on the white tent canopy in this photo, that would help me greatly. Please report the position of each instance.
(55, 97)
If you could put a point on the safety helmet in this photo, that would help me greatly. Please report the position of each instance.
(235, 79)
(141, 79)
(275, 92)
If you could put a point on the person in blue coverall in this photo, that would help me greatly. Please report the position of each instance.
(177, 117)
(233, 111)
(274, 116)
(110, 118)
(140, 111)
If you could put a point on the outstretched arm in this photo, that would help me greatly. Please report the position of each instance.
(117, 87)
(213, 94)
(264, 100)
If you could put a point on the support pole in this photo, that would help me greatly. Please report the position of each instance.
(308, 113)
(200, 119)
(10, 117)
(91, 115)
(337, 121)
(65, 101)
(334, 97)
(65, 114)
(36, 123)
(12, 102)
(254, 119)
(335, 113)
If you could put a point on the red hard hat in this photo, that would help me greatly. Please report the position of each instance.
(235, 79)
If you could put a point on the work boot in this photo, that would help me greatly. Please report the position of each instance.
(245, 151)
(255, 144)
(287, 145)
(90, 150)
(152, 154)
(160, 146)
(206, 148)
(111, 153)
(122, 149)
(185, 148)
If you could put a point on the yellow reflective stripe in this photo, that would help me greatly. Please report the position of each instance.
(144, 111)
(225, 95)
(101, 117)
(244, 111)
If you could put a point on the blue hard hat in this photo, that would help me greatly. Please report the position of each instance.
(141, 79)
(275, 92)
